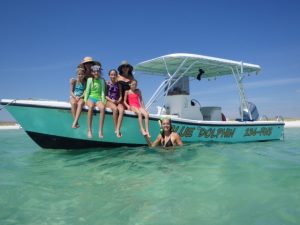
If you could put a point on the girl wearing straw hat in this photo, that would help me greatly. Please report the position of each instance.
(86, 63)
(125, 77)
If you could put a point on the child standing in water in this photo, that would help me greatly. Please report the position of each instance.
(134, 101)
(77, 87)
(95, 96)
(114, 100)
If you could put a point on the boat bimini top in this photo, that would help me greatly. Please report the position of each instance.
(176, 66)
(190, 64)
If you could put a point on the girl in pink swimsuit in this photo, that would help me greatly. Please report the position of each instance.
(133, 100)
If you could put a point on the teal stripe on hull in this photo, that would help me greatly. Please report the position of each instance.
(58, 121)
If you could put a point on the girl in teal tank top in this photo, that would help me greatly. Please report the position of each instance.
(95, 96)
(76, 96)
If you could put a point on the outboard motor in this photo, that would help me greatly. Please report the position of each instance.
(252, 110)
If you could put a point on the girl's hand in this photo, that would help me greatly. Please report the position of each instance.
(111, 100)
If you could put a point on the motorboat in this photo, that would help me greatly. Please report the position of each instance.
(48, 122)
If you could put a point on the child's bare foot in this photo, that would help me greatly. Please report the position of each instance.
(90, 134)
(100, 135)
(143, 132)
(148, 134)
(74, 126)
(118, 134)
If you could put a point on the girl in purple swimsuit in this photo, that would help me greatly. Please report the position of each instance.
(114, 100)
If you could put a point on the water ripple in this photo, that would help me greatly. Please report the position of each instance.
(202, 183)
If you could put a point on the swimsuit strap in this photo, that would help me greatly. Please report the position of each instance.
(125, 86)
(169, 142)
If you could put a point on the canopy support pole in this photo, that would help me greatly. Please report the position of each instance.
(166, 84)
(156, 93)
(166, 67)
(238, 75)
(163, 85)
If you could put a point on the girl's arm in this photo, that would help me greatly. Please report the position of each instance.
(106, 95)
(120, 93)
(72, 85)
(87, 89)
(125, 100)
(178, 140)
(155, 143)
(141, 99)
(109, 99)
(84, 85)
(83, 94)
(103, 90)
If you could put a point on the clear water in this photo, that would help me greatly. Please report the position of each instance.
(253, 183)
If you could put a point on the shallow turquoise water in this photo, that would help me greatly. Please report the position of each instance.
(253, 183)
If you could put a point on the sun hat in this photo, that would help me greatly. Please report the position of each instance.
(125, 63)
(89, 59)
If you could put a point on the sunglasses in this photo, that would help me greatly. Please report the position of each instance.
(96, 68)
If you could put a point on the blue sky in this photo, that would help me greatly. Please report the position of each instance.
(42, 42)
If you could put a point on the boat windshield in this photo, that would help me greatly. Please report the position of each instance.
(181, 87)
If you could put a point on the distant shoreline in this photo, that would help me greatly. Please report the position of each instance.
(13, 125)
(8, 123)
(295, 123)
(10, 127)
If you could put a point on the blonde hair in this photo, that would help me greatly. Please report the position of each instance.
(79, 69)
